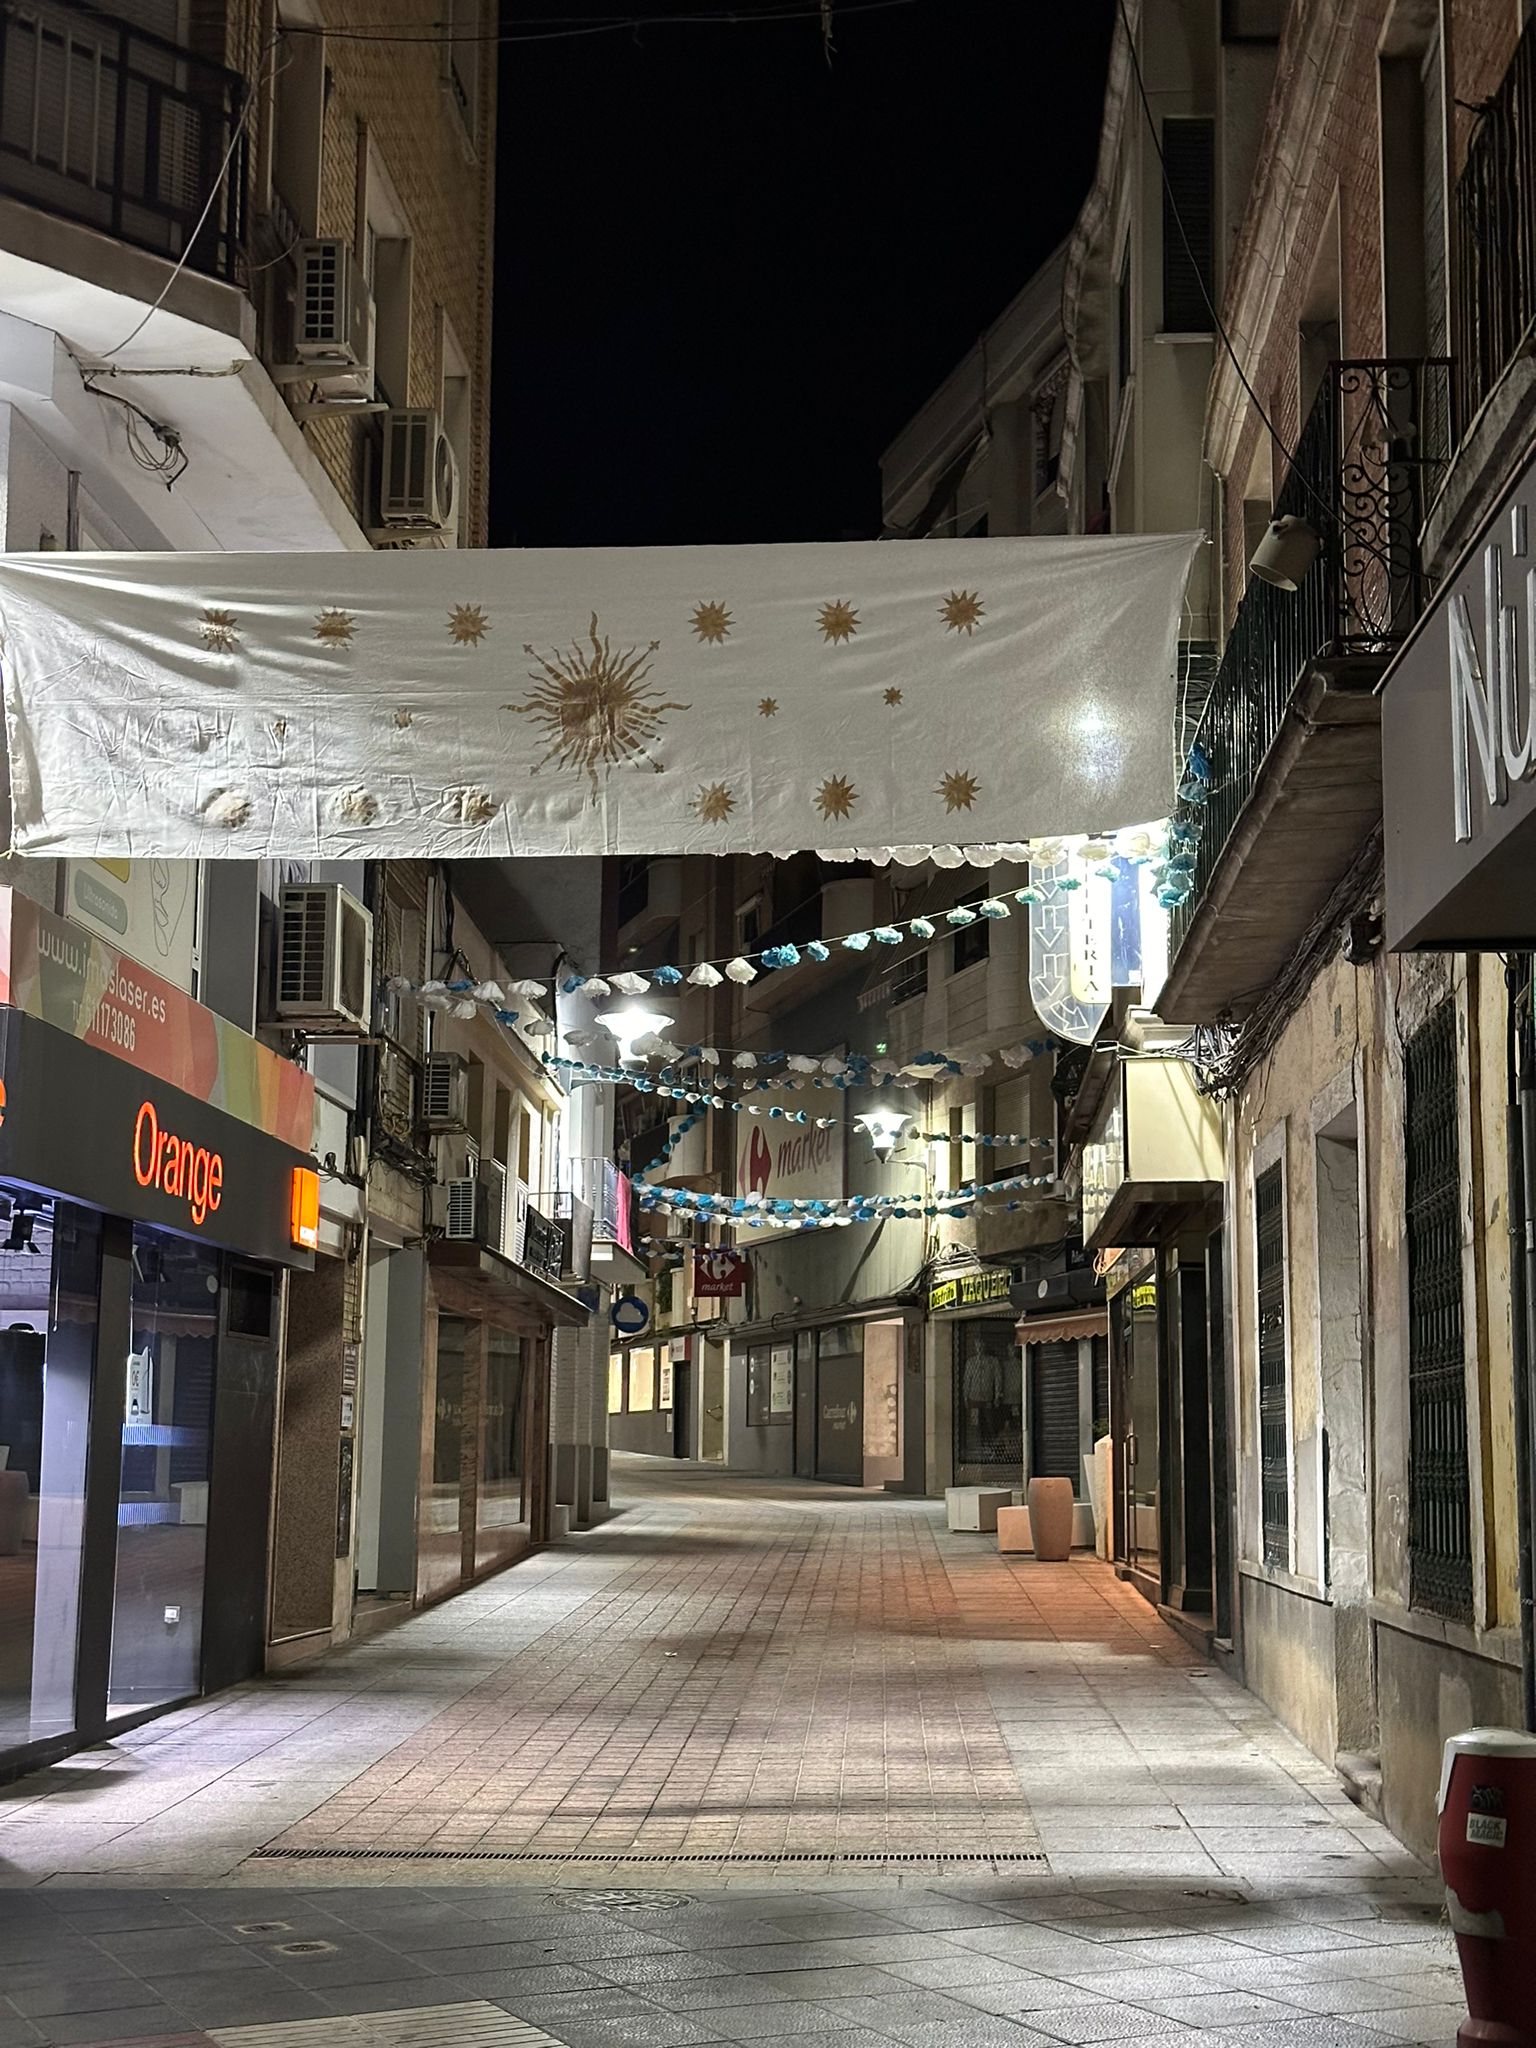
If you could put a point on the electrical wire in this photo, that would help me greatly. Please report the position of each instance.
(551, 30)
(171, 464)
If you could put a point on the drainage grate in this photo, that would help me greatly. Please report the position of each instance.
(474, 2025)
(611, 1901)
(839, 1859)
(306, 1948)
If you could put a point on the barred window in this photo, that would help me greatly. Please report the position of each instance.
(1274, 1406)
(1439, 1513)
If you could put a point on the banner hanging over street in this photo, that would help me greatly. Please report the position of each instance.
(442, 705)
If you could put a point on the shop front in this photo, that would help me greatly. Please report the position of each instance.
(979, 1366)
(143, 1235)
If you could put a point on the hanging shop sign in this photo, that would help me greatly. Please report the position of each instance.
(978, 1289)
(719, 1274)
(149, 1152)
(784, 1159)
(1458, 727)
(76, 982)
(440, 704)
(629, 1315)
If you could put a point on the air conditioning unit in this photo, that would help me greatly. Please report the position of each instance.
(324, 959)
(444, 1092)
(1078, 1287)
(333, 319)
(464, 1211)
(418, 479)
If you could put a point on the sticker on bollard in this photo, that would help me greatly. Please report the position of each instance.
(1487, 1848)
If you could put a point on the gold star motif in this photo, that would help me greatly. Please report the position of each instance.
(959, 790)
(468, 625)
(218, 631)
(893, 696)
(836, 797)
(712, 622)
(714, 803)
(962, 611)
(595, 705)
(335, 628)
(838, 620)
(767, 707)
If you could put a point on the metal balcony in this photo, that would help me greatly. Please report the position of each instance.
(105, 124)
(1493, 299)
(1291, 729)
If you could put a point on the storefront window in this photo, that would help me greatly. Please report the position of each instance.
(642, 1382)
(989, 1402)
(501, 1460)
(50, 1266)
(448, 1423)
(615, 1383)
(167, 1435)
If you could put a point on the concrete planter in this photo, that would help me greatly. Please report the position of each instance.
(1050, 1519)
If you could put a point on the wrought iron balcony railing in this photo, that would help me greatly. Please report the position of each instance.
(1369, 460)
(1493, 303)
(103, 123)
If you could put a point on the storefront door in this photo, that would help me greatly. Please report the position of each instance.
(988, 1402)
(1137, 1308)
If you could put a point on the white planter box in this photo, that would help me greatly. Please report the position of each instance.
(975, 1507)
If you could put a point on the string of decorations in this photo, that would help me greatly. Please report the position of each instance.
(584, 1075)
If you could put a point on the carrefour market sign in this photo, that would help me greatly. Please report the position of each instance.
(970, 1290)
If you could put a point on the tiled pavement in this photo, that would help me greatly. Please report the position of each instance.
(727, 1669)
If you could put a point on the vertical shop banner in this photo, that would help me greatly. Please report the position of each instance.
(64, 976)
(719, 1274)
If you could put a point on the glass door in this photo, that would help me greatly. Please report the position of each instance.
(50, 1277)
(162, 1505)
(1143, 1497)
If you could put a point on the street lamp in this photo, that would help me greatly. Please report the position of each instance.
(884, 1127)
(628, 1024)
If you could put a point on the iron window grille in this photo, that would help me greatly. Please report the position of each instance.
(1439, 1512)
(1274, 1405)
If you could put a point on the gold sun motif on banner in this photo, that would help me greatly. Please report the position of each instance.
(767, 707)
(893, 695)
(712, 622)
(714, 803)
(594, 704)
(838, 620)
(335, 627)
(836, 797)
(468, 625)
(962, 611)
(959, 790)
(218, 631)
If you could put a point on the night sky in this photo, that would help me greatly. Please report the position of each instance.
(727, 273)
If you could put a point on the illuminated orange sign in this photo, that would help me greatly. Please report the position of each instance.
(176, 1166)
(304, 1225)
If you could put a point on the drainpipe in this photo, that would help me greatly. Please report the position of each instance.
(1522, 1289)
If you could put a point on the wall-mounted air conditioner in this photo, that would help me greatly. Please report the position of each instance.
(333, 321)
(444, 1104)
(418, 479)
(324, 959)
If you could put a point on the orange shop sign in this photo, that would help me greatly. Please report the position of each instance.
(176, 1166)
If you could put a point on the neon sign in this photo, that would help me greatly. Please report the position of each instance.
(176, 1166)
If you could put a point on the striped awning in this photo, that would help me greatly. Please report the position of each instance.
(1075, 1323)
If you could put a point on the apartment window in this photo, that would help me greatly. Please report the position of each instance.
(1274, 1404)
(972, 942)
(463, 27)
(1049, 411)
(1252, 21)
(1439, 1513)
(298, 123)
(1123, 327)
(1189, 160)
(909, 979)
(634, 888)
(389, 279)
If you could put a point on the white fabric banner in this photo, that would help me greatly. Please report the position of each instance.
(434, 704)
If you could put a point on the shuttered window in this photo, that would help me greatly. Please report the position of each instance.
(1439, 1516)
(1055, 1430)
(1274, 1417)
(1188, 221)
(1100, 1387)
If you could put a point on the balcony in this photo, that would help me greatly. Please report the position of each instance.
(841, 905)
(124, 132)
(1291, 730)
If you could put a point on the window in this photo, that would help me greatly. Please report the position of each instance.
(463, 28)
(1252, 21)
(456, 409)
(1188, 214)
(1439, 1514)
(298, 121)
(989, 1401)
(972, 942)
(1123, 325)
(1049, 412)
(642, 1382)
(770, 1384)
(615, 1383)
(1274, 1403)
(634, 888)
(909, 979)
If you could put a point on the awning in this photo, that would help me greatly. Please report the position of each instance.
(1062, 1329)
(433, 704)
(470, 1279)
